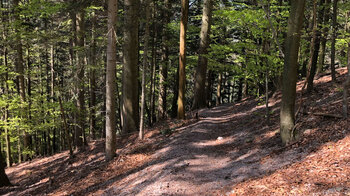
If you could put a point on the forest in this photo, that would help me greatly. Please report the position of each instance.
(165, 97)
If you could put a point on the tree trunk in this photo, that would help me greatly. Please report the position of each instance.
(334, 38)
(65, 126)
(176, 93)
(20, 70)
(80, 78)
(4, 181)
(218, 90)
(209, 88)
(315, 45)
(144, 65)
(111, 81)
(153, 68)
(182, 60)
(201, 70)
(130, 69)
(52, 92)
(346, 86)
(324, 37)
(92, 118)
(6, 114)
(163, 68)
(287, 118)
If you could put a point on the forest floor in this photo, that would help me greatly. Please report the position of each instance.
(229, 150)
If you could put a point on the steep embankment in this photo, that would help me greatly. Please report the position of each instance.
(228, 150)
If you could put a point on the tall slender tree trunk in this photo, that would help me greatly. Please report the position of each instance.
(201, 70)
(92, 117)
(163, 68)
(346, 86)
(111, 81)
(154, 63)
(6, 114)
(325, 30)
(52, 92)
(315, 44)
(7, 135)
(80, 78)
(182, 60)
(65, 126)
(287, 115)
(144, 65)
(334, 37)
(218, 90)
(20, 70)
(130, 95)
(174, 106)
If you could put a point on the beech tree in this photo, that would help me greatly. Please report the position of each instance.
(290, 71)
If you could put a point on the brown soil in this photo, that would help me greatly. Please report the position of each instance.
(229, 150)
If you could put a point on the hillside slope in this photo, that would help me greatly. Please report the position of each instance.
(229, 150)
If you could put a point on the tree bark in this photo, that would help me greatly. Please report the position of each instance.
(92, 118)
(144, 65)
(111, 81)
(315, 45)
(130, 94)
(201, 69)
(20, 70)
(4, 181)
(6, 114)
(153, 68)
(324, 37)
(346, 84)
(80, 31)
(334, 37)
(65, 126)
(163, 68)
(182, 60)
(287, 118)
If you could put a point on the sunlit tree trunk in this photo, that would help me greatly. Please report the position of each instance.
(287, 118)
(92, 117)
(201, 70)
(182, 60)
(111, 81)
(144, 65)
